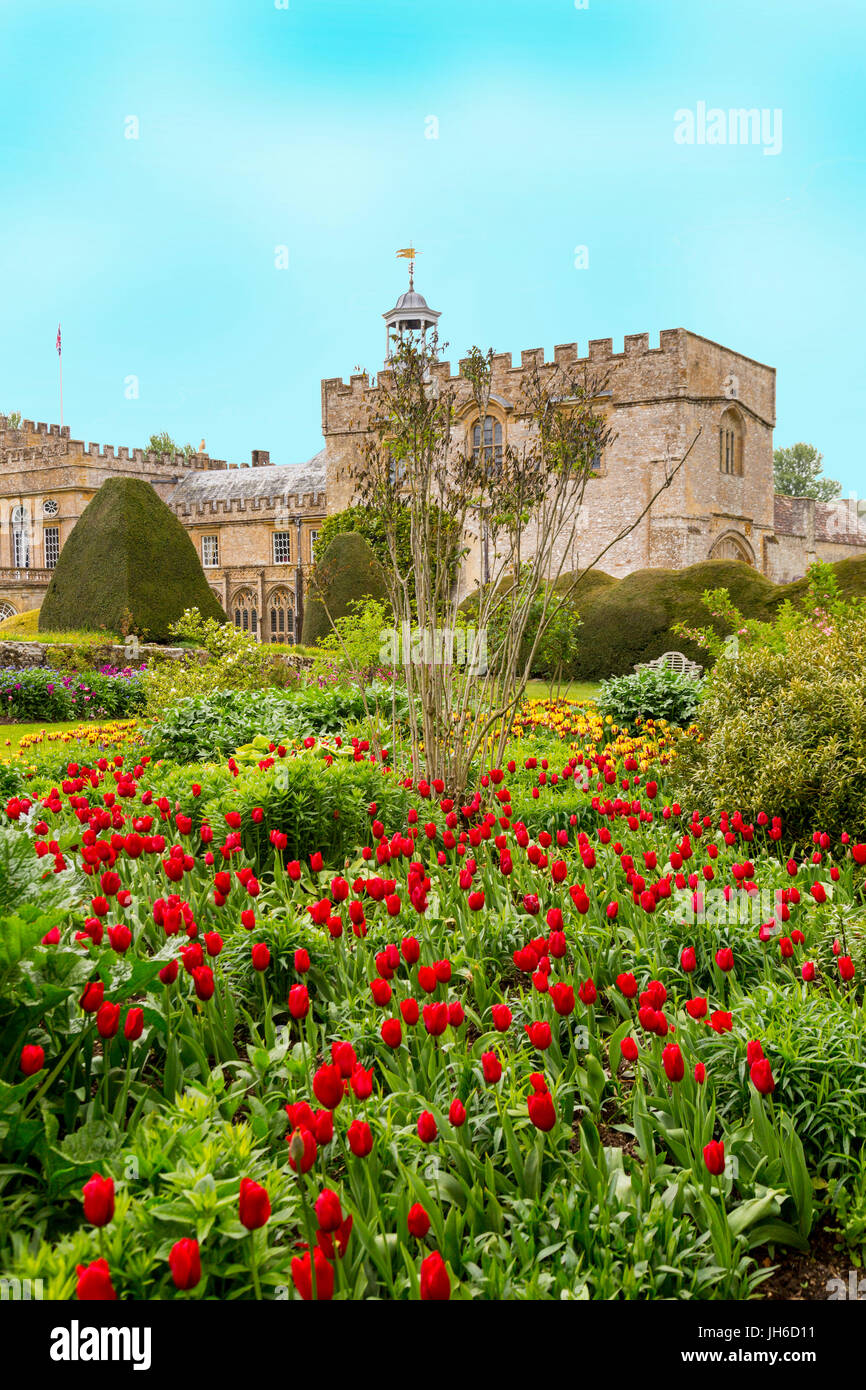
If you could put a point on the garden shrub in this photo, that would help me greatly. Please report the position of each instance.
(209, 725)
(656, 694)
(348, 570)
(784, 731)
(128, 565)
(235, 661)
(352, 650)
(317, 807)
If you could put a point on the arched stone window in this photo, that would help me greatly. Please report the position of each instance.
(246, 613)
(731, 440)
(6, 611)
(489, 438)
(20, 524)
(281, 616)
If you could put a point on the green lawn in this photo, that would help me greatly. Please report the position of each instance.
(576, 690)
(24, 627)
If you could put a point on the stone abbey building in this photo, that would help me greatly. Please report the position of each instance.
(254, 525)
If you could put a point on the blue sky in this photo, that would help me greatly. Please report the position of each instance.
(307, 126)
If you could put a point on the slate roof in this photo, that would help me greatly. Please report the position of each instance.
(274, 480)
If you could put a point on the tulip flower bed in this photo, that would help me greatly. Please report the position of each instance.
(617, 1053)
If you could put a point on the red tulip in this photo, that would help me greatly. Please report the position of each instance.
(427, 1130)
(542, 1111)
(672, 1061)
(457, 1113)
(107, 1020)
(491, 1066)
(254, 1205)
(302, 1149)
(203, 981)
(435, 1283)
(714, 1157)
(32, 1059)
(410, 1011)
(98, 1200)
(562, 998)
(329, 1086)
(92, 997)
(361, 1081)
(302, 1276)
(261, 956)
(94, 1282)
(133, 1025)
(392, 1033)
(435, 1018)
(762, 1077)
(329, 1213)
(299, 1001)
(539, 1034)
(502, 1017)
(360, 1138)
(185, 1263)
(418, 1221)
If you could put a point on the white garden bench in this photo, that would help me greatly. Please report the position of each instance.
(672, 661)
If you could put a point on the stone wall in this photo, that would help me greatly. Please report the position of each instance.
(19, 656)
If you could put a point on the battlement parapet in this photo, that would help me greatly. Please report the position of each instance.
(564, 354)
(243, 506)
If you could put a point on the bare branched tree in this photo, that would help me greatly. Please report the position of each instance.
(522, 503)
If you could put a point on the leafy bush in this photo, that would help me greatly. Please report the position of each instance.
(42, 693)
(784, 731)
(650, 695)
(206, 726)
(354, 646)
(316, 805)
(128, 565)
(236, 662)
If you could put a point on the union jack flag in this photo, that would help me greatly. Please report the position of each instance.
(59, 354)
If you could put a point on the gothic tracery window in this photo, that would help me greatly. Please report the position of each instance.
(281, 616)
(245, 611)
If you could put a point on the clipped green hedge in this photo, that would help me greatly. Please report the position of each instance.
(631, 620)
(348, 570)
(128, 566)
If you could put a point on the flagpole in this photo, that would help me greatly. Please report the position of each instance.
(61, 392)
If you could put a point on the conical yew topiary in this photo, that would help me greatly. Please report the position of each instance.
(128, 566)
(348, 570)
